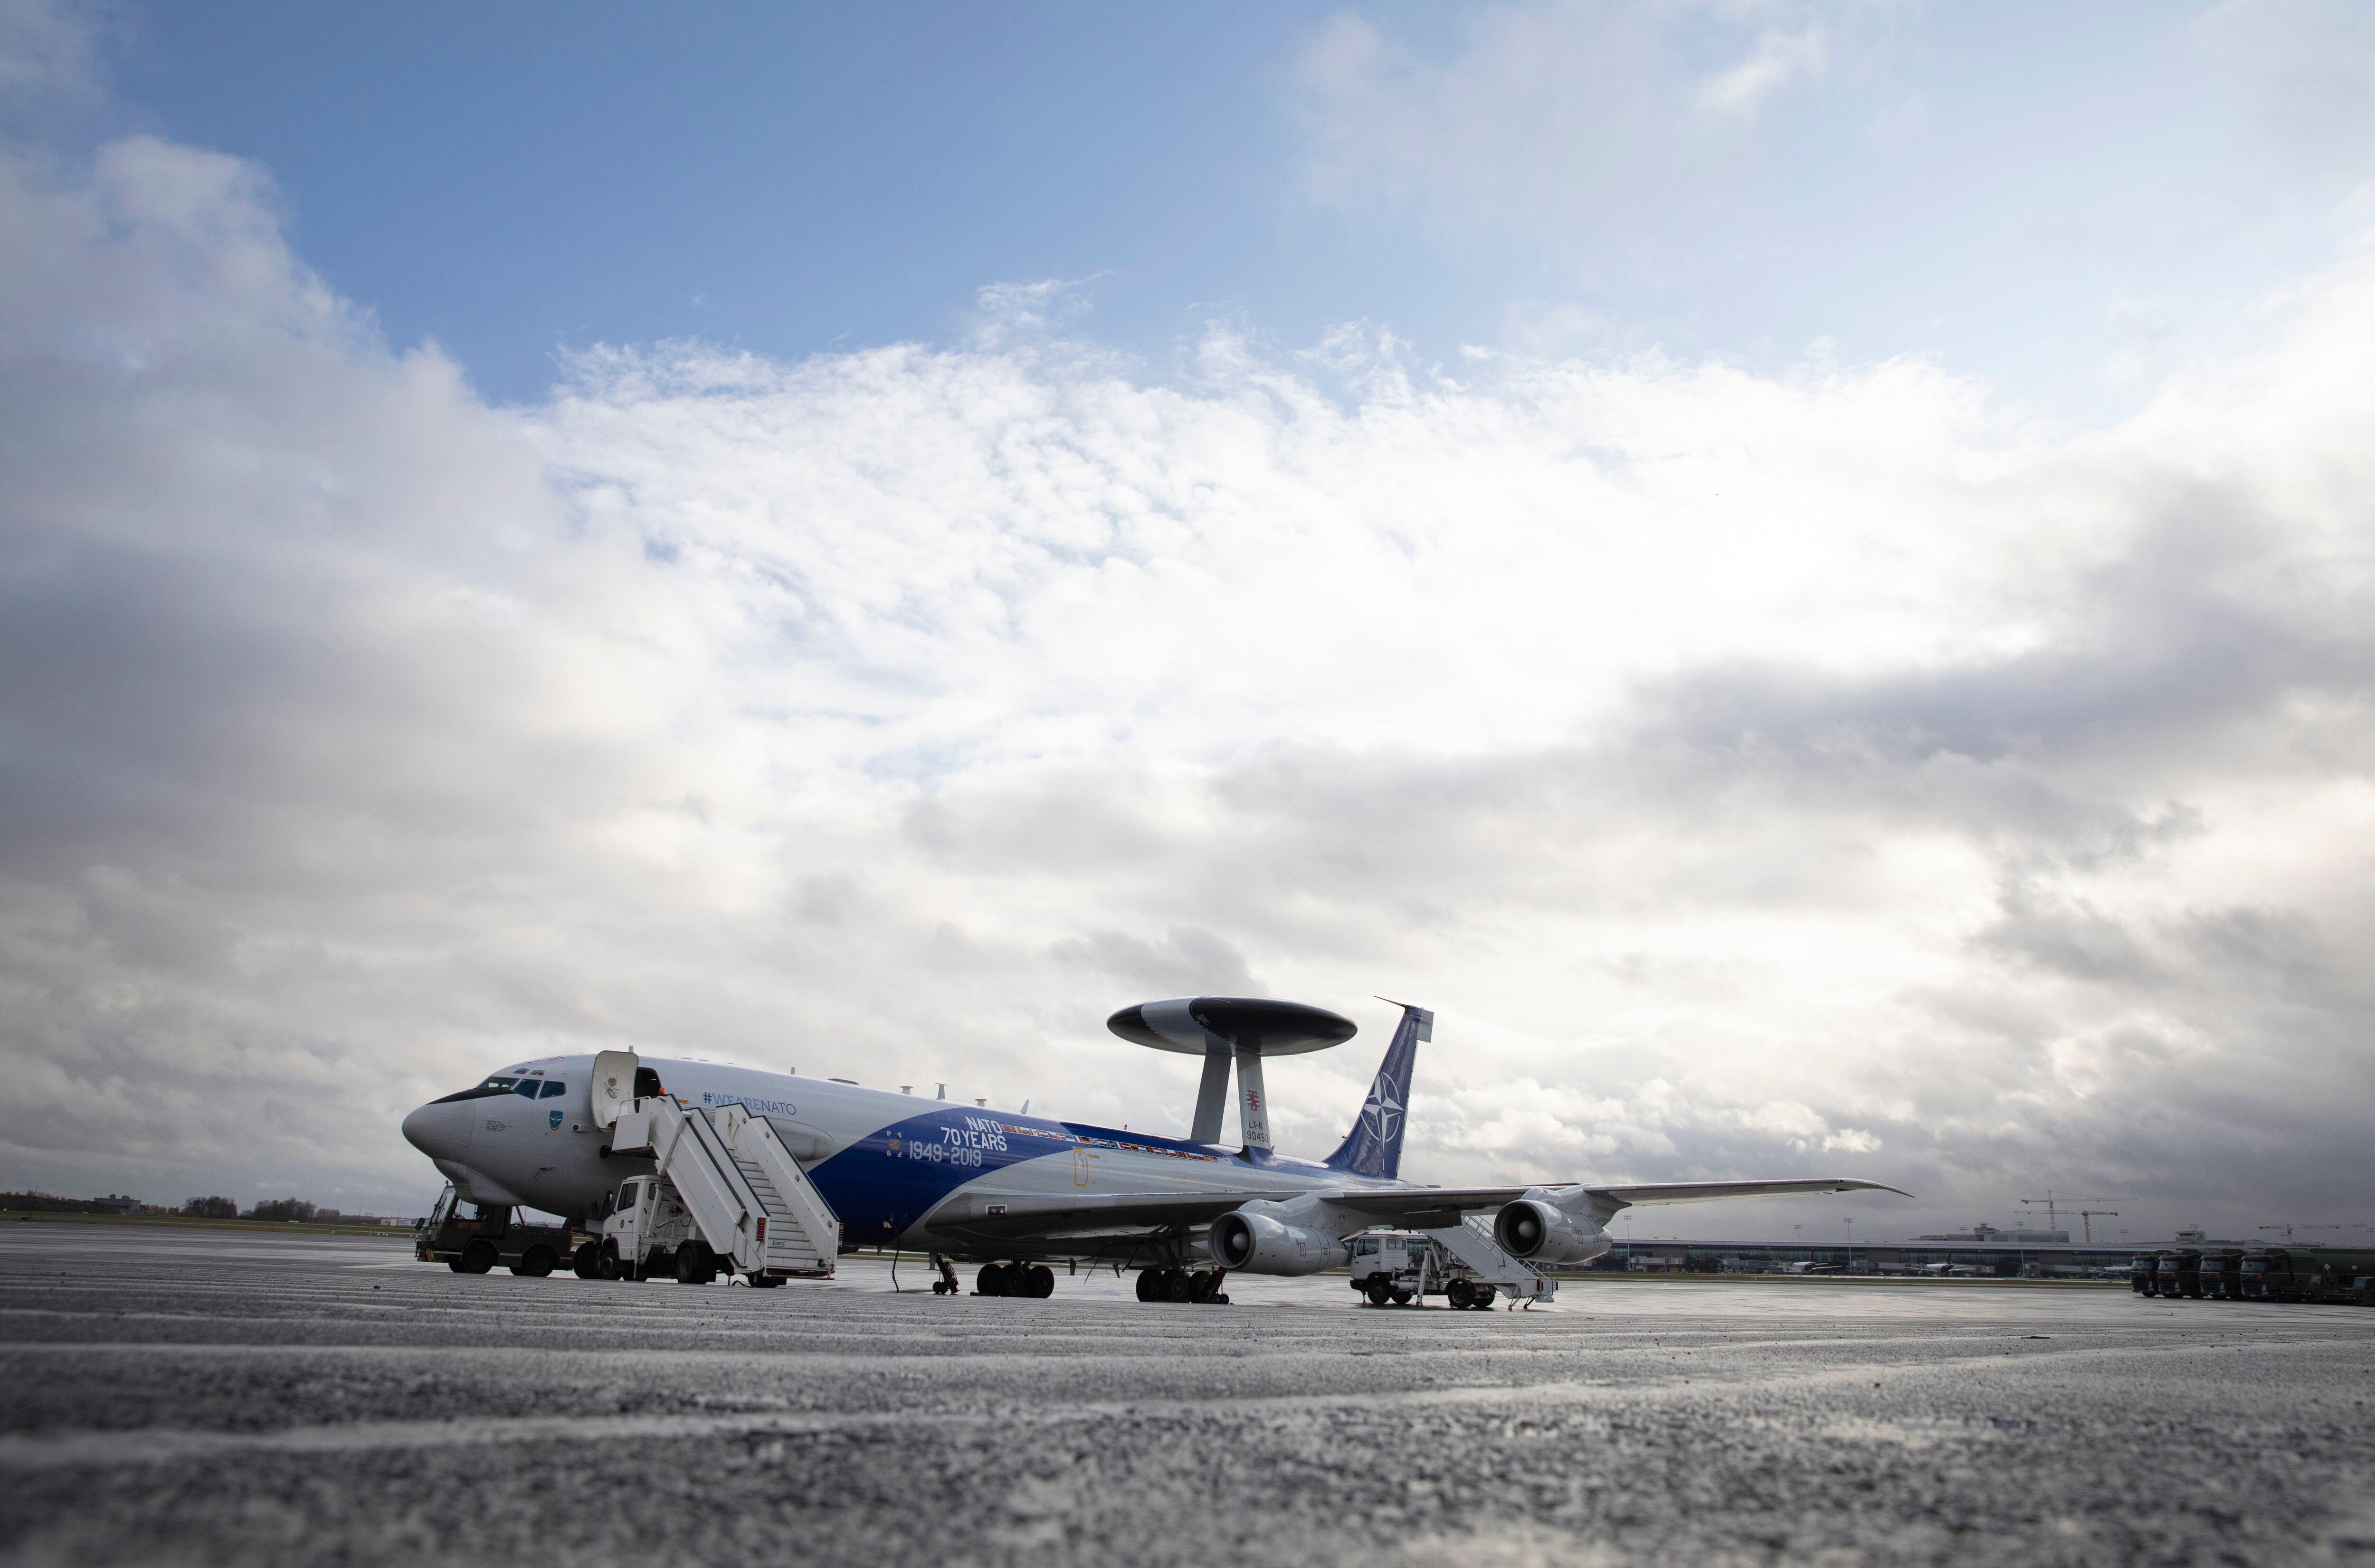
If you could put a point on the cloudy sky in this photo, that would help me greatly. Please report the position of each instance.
(1800, 573)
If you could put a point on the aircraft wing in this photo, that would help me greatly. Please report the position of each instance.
(1054, 1216)
(1606, 1201)
(1428, 1208)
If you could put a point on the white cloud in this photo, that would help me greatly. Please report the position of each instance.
(1831, 770)
(1778, 58)
(1598, 131)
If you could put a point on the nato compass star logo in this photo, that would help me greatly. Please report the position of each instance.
(1383, 1113)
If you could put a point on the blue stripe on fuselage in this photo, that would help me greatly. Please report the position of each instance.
(891, 1178)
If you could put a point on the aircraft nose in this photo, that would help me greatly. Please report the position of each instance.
(436, 1131)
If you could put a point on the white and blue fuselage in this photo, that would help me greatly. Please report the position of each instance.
(890, 1165)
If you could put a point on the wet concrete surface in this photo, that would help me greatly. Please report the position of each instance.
(216, 1398)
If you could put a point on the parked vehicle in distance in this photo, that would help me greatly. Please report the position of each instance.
(2221, 1275)
(2140, 1273)
(2274, 1274)
(2337, 1275)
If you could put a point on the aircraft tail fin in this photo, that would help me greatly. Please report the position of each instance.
(1374, 1147)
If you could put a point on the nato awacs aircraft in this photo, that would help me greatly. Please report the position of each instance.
(1014, 1192)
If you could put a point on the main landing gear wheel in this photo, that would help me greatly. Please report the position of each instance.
(479, 1256)
(537, 1262)
(1147, 1280)
(1024, 1279)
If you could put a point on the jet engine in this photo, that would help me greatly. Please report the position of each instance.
(1543, 1232)
(1248, 1241)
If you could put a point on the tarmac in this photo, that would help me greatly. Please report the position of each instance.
(216, 1398)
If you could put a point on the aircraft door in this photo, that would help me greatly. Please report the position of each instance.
(614, 1084)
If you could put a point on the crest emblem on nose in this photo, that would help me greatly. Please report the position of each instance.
(556, 1121)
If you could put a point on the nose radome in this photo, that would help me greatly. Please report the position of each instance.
(430, 1130)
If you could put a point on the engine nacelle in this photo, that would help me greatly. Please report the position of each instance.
(1537, 1232)
(1249, 1241)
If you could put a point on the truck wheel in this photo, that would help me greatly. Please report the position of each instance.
(479, 1256)
(606, 1259)
(1379, 1290)
(1402, 1298)
(536, 1263)
(582, 1264)
(1456, 1294)
(455, 1263)
(695, 1264)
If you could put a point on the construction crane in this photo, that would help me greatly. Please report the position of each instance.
(2053, 1200)
(2288, 1230)
(2087, 1217)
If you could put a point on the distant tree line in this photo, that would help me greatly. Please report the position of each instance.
(50, 1203)
(272, 1211)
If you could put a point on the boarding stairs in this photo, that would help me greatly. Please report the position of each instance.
(746, 1195)
(1471, 1243)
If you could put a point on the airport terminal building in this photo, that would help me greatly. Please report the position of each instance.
(1984, 1252)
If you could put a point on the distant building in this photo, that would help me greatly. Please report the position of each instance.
(1998, 1256)
(1984, 1235)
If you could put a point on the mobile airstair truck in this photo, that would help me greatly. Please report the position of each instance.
(725, 1196)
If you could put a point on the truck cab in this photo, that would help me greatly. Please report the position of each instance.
(1399, 1267)
(643, 1228)
(2266, 1275)
(2221, 1275)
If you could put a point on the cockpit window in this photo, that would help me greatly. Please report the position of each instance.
(553, 1086)
(493, 1086)
(525, 1088)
